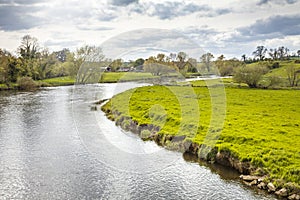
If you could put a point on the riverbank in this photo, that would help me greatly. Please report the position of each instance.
(259, 128)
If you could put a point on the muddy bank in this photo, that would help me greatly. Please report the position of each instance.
(250, 175)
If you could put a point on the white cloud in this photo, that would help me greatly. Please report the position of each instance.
(232, 27)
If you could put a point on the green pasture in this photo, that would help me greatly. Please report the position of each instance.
(259, 126)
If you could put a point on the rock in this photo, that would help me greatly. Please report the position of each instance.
(246, 183)
(254, 182)
(261, 179)
(177, 138)
(262, 185)
(282, 192)
(271, 187)
(249, 178)
(294, 197)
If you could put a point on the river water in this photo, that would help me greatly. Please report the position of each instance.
(54, 146)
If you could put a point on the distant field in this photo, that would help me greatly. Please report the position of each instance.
(261, 126)
(59, 81)
(113, 77)
(109, 77)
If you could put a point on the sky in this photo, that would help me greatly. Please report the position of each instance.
(133, 28)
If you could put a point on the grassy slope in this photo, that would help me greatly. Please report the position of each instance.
(281, 71)
(261, 126)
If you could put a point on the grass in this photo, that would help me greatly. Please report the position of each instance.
(281, 72)
(3, 87)
(107, 77)
(59, 81)
(261, 126)
(11, 86)
(113, 77)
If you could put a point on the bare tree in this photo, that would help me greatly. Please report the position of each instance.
(172, 56)
(90, 59)
(283, 52)
(206, 59)
(293, 75)
(260, 52)
(29, 47)
(273, 53)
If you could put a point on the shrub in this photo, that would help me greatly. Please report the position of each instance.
(250, 75)
(275, 65)
(226, 70)
(26, 83)
(274, 81)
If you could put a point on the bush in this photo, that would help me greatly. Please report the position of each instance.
(26, 83)
(250, 75)
(226, 70)
(275, 65)
(274, 81)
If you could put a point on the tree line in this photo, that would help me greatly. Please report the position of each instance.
(32, 60)
(280, 53)
(36, 62)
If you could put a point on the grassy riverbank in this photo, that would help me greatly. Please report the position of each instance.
(59, 81)
(261, 127)
(107, 77)
(113, 77)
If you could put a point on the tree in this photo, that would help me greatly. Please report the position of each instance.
(283, 52)
(181, 57)
(206, 59)
(138, 62)
(4, 66)
(157, 69)
(250, 75)
(192, 67)
(293, 75)
(161, 57)
(220, 63)
(172, 56)
(244, 57)
(298, 52)
(227, 67)
(62, 54)
(260, 52)
(29, 47)
(89, 60)
(115, 65)
(273, 53)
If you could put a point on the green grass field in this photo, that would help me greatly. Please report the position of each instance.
(113, 77)
(59, 81)
(281, 71)
(261, 126)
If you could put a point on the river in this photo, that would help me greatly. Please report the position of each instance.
(54, 146)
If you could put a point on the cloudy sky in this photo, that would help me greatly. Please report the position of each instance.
(229, 27)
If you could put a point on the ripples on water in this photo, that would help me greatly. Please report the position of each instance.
(53, 147)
